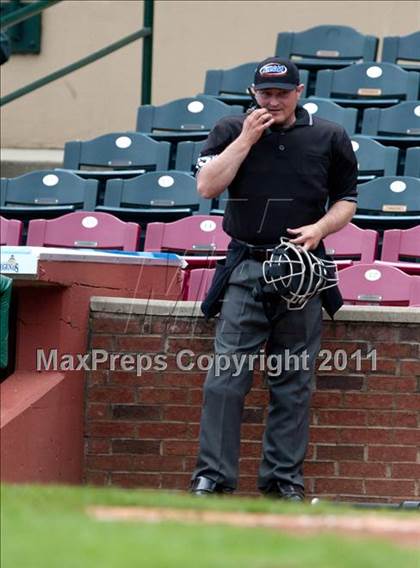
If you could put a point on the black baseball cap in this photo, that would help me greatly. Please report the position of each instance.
(275, 72)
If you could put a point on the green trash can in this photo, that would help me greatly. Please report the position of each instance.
(5, 298)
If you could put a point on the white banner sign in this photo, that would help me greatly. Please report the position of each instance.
(23, 261)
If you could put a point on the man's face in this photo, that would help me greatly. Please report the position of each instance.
(280, 103)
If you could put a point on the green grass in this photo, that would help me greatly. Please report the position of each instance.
(47, 527)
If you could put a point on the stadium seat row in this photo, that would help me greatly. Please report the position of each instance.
(337, 46)
(192, 118)
(202, 240)
(373, 158)
(360, 84)
(360, 284)
(383, 203)
(127, 154)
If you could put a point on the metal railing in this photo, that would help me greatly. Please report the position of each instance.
(21, 14)
(146, 33)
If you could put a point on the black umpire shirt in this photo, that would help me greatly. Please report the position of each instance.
(287, 178)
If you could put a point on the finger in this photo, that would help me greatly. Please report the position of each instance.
(298, 240)
(269, 121)
(263, 124)
(261, 120)
(304, 245)
(294, 231)
(257, 114)
(265, 118)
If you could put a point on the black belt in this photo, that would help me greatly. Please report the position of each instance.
(259, 254)
(255, 252)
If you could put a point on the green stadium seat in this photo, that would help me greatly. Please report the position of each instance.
(412, 162)
(328, 46)
(374, 159)
(118, 154)
(230, 85)
(186, 159)
(324, 108)
(391, 202)
(400, 49)
(398, 124)
(46, 193)
(218, 204)
(183, 119)
(154, 196)
(368, 85)
(187, 154)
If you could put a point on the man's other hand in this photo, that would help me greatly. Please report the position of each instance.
(308, 236)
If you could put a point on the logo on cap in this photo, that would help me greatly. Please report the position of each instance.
(273, 70)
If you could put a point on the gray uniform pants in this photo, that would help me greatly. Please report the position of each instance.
(243, 328)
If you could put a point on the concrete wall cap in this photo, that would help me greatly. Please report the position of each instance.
(388, 314)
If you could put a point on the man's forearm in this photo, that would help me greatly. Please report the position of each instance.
(336, 217)
(216, 176)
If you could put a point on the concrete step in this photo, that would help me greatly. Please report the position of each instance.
(19, 161)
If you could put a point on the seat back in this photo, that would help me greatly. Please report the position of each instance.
(402, 119)
(199, 283)
(235, 81)
(219, 203)
(163, 190)
(230, 81)
(378, 284)
(374, 159)
(397, 48)
(328, 110)
(412, 162)
(187, 155)
(328, 42)
(118, 150)
(47, 190)
(10, 232)
(399, 243)
(79, 229)
(200, 234)
(195, 114)
(392, 195)
(354, 243)
(373, 81)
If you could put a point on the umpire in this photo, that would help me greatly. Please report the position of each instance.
(289, 174)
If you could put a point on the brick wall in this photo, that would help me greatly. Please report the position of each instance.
(142, 431)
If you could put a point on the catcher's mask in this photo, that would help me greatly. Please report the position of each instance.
(296, 275)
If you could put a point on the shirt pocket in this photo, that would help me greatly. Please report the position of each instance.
(312, 164)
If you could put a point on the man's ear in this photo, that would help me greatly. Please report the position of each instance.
(252, 89)
(299, 89)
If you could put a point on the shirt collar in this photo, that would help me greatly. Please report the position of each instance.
(303, 117)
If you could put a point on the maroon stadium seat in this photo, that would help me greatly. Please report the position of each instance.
(379, 285)
(10, 231)
(84, 229)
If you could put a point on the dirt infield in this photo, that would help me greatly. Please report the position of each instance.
(400, 531)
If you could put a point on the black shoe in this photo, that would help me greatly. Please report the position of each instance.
(287, 492)
(204, 486)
